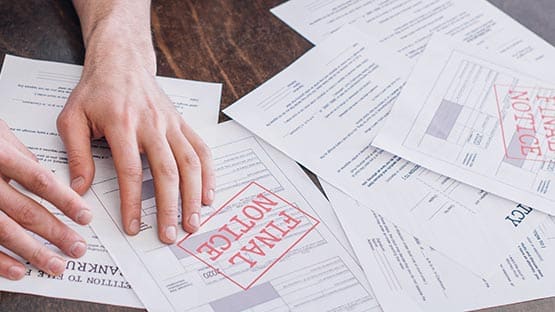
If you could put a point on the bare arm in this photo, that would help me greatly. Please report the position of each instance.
(118, 98)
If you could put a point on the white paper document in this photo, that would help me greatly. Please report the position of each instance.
(262, 245)
(405, 26)
(408, 275)
(33, 93)
(480, 119)
(324, 111)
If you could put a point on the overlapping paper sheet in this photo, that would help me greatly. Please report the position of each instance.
(316, 274)
(403, 269)
(324, 111)
(33, 93)
(405, 26)
(409, 275)
(481, 119)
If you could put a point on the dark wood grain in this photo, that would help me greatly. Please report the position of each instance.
(236, 42)
(47, 30)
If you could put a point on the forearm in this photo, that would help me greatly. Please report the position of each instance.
(118, 98)
(117, 27)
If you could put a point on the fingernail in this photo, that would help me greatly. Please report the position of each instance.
(56, 265)
(16, 272)
(76, 183)
(134, 226)
(194, 220)
(171, 233)
(78, 249)
(84, 216)
(211, 195)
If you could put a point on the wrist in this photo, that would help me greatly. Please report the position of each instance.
(117, 33)
(112, 42)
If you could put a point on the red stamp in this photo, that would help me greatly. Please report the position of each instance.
(249, 234)
(527, 119)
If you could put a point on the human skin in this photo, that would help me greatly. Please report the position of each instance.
(119, 99)
(18, 212)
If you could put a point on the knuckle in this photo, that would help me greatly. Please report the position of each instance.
(132, 172)
(74, 161)
(40, 182)
(26, 214)
(171, 213)
(77, 160)
(131, 207)
(4, 156)
(7, 155)
(63, 122)
(61, 234)
(7, 235)
(192, 202)
(168, 170)
(191, 161)
(71, 206)
(38, 256)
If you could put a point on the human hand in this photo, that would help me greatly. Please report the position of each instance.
(18, 212)
(118, 98)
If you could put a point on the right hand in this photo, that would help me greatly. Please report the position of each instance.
(118, 98)
(19, 213)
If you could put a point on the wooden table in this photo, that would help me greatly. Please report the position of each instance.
(236, 42)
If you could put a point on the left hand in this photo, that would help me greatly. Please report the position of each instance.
(20, 213)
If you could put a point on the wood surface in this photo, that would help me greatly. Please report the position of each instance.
(236, 42)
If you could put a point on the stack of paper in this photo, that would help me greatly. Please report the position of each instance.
(235, 262)
(432, 126)
(402, 181)
(314, 268)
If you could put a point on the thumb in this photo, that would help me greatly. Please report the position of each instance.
(76, 135)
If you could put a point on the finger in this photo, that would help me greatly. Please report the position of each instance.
(9, 138)
(16, 239)
(76, 135)
(15, 142)
(127, 162)
(11, 268)
(190, 180)
(43, 183)
(35, 218)
(207, 164)
(166, 186)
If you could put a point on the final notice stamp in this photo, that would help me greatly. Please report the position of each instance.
(249, 234)
(527, 120)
